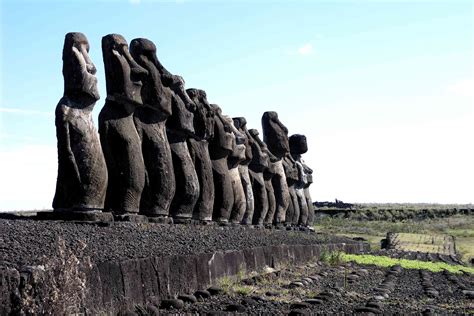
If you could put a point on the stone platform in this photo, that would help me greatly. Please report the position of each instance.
(69, 267)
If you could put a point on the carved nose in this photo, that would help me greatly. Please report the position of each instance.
(91, 69)
(239, 139)
(139, 71)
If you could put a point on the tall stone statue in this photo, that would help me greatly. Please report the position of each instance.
(257, 165)
(309, 177)
(220, 147)
(120, 141)
(150, 121)
(233, 162)
(291, 173)
(275, 135)
(179, 130)
(299, 146)
(82, 174)
(199, 150)
(268, 173)
(241, 124)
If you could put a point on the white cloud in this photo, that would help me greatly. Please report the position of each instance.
(463, 88)
(306, 49)
(28, 177)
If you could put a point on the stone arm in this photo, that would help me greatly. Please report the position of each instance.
(302, 178)
(306, 168)
(64, 138)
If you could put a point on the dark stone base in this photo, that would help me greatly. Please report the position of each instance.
(160, 220)
(185, 221)
(134, 218)
(93, 216)
(116, 285)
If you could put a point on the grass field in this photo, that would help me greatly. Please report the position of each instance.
(459, 226)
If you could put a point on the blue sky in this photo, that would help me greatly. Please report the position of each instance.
(383, 90)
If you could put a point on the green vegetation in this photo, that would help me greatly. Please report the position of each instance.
(331, 258)
(459, 226)
(384, 261)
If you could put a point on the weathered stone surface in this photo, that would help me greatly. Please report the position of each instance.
(241, 124)
(179, 129)
(298, 146)
(119, 138)
(220, 147)
(188, 298)
(172, 303)
(199, 150)
(82, 173)
(258, 164)
(233, 161)
(202, 294)
(291, 174)
(89, 216)
(275, 135)
(150, 122)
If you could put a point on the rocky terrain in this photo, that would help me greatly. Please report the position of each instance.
(327, 288)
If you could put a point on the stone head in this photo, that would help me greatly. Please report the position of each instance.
(298, 144)
(254, 132)
(153, 93)
(240, 122)
(203, 114)
(238, 139)
(78, 69)
(223, 136)
(122, 73)
(275, 134)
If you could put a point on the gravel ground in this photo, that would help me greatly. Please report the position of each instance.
(29, 242)
(343, 289)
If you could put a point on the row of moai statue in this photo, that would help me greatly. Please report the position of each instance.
(164, 151)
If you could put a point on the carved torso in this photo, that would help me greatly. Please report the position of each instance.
(82, 174)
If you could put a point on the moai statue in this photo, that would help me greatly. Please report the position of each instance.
(150, 121)
(309, 176)
(119, 137)
(257, 166)
(220, 147)
(275, 135)
(82, 173)
(291, 174)
(233, 161)
(268, 173)
(299, 146)
(179, 128)
(241, 124)
(199, 150)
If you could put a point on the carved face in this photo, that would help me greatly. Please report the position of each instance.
(298, 144)
(260, 159)
(223, 136)
(275, 134)
(241, 124)
(153, 93)
(238, 139)
(78, 69)
(203, 114)
(123, 75)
